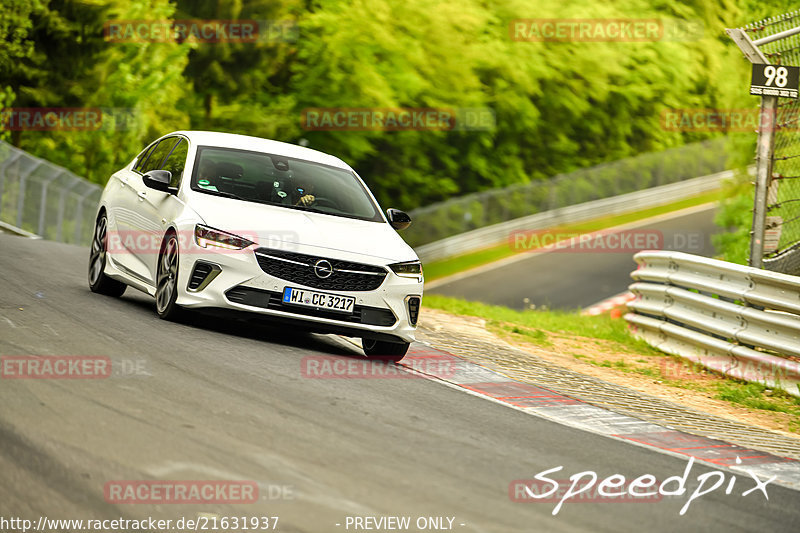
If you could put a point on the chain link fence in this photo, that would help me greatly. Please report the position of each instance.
(782, 235)
(42, 198)
(50, 201)
(465, 213)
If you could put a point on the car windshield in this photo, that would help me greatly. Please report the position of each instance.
(282, 181)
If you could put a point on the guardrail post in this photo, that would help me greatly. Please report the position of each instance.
(766, 144)
(23, 178)
(79, 216)
(551, 194)
(739, 321)
(43, 201)
(62, 207)
(3, 167)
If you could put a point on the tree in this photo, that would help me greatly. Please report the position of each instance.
(137, 85)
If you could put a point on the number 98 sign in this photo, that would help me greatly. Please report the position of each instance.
(775, 80)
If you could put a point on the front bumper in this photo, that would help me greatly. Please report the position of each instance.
(239, 283)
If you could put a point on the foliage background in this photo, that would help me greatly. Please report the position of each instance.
(559, 106)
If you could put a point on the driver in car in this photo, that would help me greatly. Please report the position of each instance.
(304, 194)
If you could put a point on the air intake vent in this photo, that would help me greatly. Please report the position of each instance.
(413, 309)
(202, 275)
(374, 316)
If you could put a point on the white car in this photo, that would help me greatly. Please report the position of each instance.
(215, 220)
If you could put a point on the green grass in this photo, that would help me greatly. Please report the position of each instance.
(536, 335)
(753, 395)
(649, 372)
(459, 263)
(535, 323)
(536, 326)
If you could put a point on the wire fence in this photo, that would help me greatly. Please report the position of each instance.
(458, 215)
(782, 241)
(46, 199)
(51, 201)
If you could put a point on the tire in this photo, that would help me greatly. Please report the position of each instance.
(167, 279)
(384, 351)
(98, 281)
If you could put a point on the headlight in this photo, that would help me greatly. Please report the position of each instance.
(205, 237)
(412, 269)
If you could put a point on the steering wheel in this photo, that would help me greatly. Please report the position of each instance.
(326, 202)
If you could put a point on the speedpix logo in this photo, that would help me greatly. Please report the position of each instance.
(586, 486)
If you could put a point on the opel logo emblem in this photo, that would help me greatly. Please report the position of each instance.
(323, 269)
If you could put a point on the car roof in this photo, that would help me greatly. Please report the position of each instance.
(257, 144)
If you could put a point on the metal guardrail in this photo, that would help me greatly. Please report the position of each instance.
(478, 210)
(45, 199)
(740, 321)
(497, 233)
(50, 201)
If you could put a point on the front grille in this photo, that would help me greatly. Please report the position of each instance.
(300, 268)
(362, 314)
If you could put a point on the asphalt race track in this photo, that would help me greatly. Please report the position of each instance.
(227, 399)
(575, 279)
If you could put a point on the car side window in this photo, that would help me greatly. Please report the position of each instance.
(143, 157)
(176, 162)
(158, 154)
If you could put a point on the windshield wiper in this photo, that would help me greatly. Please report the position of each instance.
(228, 195)
(307, 208)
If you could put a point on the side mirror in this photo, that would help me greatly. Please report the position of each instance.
(399, 220)
(158, 180)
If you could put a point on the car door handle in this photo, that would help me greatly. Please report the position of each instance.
(142, 195)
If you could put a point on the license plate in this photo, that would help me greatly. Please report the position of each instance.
(318, 300)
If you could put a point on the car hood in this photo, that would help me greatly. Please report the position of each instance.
(303, 231)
